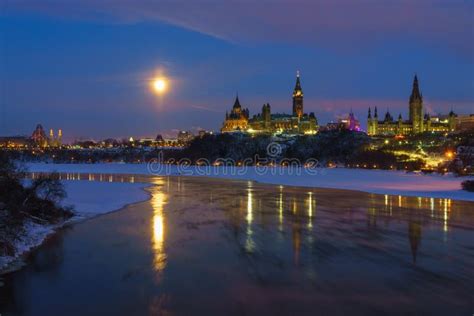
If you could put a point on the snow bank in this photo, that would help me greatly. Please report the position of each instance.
(91, 198)
(372, 181)
(88, 199)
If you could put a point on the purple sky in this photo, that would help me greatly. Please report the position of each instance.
(85, 67)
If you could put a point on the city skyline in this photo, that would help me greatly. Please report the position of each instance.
(248, 157)
(87, 71)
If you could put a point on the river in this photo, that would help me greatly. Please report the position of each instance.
(203, 246)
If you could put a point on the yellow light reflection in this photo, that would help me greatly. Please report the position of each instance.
(249, 244)
(280, 209)
(447, 208)
(158, 200)
(249, 207)
(310, 210)
(432, 207)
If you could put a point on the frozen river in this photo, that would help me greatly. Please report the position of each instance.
(203, 246)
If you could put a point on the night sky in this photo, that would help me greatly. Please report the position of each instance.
(86, 67)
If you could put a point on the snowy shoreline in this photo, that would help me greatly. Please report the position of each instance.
(89, 199)
(371, 181)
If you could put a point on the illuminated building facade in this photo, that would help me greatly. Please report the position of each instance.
(350, 123)
(40, 139)
(185, 137)
(417, 122)
(465, 122)
(238, 120)
(15, 142)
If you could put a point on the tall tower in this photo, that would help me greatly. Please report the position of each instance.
(266, 115)
(416, 108)
(51, 140)
(369, 123)
(298, 97)
(375, 122)
(452, 121)
(60, 137)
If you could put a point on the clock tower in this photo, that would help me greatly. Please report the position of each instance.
(416, 108)
(298, 98)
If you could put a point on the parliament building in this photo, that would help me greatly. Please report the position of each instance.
(417, 121)
(239, 120)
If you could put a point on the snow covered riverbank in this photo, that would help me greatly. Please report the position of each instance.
(88, 199)
(372, 181)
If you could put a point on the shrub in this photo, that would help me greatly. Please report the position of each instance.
(379, 158)
(468, 185)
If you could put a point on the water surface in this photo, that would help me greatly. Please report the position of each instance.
(218, 247)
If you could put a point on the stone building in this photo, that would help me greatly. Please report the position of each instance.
(465, 122)
(238, 120)
(416, 123)
(40, 139)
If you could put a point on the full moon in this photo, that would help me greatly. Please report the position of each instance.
(159, 85)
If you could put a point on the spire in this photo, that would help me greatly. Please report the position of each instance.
(369, 115)
(375, 113)
(415, 93)
(298, 84)
(237, 102)
(400, 116)
(351, 114)
(451, 113)
(388, 116)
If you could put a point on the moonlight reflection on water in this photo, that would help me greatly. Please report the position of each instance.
(158, 200)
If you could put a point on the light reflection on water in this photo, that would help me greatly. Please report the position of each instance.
(247, 248)
(249, 245)
(310, 209)
(158, 200)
